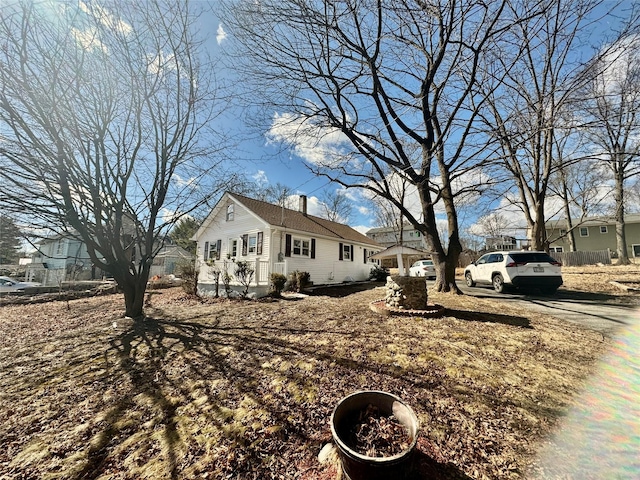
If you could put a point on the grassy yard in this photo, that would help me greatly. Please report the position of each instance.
(244, 390)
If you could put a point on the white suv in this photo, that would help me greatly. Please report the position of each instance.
(515, 269)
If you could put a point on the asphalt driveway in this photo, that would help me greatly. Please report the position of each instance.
(600, 312)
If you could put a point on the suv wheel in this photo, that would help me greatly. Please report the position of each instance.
(469, 280)
(498, 283)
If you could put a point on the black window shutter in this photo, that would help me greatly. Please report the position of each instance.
(313, 248)
(352, 253)
(365, 255)
(340, 255)
(287, 245)
(206, 251)
(245, 244)
(218, 247)
(259, 246)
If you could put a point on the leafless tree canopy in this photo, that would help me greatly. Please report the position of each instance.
(104, 112)
(611, 108)
(395, 79)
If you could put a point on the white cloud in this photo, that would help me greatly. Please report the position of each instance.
(315, 144)
(168, 216)
(620, 61)
(221, 35)
(260, 177)
(88, 39)
(364, 210)
(362, 229)
(108, 20)
(180, 182)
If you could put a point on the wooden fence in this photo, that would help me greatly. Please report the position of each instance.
(575, 259)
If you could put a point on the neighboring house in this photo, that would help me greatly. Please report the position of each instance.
(595, 234)
(167, 261)
(502, 243)
(58, 259)
(389, 236)
(274, 239)
(65, 259)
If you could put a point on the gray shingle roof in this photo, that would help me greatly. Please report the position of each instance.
(294, 220)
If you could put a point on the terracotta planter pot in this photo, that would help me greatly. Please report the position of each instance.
(362, 467)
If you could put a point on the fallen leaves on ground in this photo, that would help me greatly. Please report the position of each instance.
(244, 390)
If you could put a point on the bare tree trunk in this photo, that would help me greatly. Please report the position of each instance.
(621, 239)
(538, 229)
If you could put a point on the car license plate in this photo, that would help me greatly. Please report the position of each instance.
(538, 269)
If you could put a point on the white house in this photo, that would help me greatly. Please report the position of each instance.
(60, 258)
(274, 239)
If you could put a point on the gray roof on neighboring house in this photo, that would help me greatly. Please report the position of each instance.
(173, 251)
(277, 216)
(406, 226)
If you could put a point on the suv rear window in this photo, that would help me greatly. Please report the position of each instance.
(528, 257)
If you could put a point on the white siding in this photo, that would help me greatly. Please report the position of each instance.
(243, 223)
(325, 268)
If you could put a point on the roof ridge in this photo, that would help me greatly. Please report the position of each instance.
(295, 220)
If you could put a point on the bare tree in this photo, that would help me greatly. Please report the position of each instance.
(387, 213)
(612, 109)
(335, 206)
(493, 225)
(377, 76)
(276, 194)
(104, 112)
(526, 111)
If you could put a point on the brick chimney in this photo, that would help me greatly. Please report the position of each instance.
(303, 204)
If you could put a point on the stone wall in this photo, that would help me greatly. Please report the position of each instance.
(408, 293)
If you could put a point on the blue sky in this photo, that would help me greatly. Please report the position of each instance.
(266, 163)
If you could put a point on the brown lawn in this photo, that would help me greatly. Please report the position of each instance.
(244, 390)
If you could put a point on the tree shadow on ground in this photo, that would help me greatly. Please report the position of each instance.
(162, 358)
(343, 289)
(424, 467)
(484, 317)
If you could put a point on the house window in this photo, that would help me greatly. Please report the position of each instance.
(301, 247)
(346, 252)
(251, 244)
(556, 249)
(230, 213)
(59, 248)
(214, 250)
(563, 232)
(584, 232)
(233, 247)
(603, 229)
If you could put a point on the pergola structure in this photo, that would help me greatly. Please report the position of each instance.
(402, 253)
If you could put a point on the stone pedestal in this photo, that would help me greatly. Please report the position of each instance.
(409, 293)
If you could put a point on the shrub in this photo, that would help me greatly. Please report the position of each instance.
(189, 274)
(244, 274)
(298, 280)
(304, 280)
(277, 283)
(215, 272)
(378, 273)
